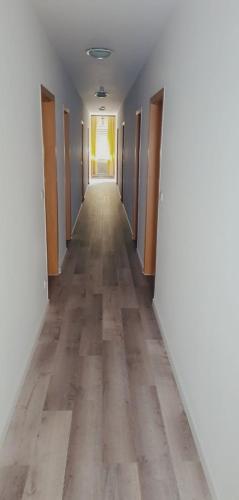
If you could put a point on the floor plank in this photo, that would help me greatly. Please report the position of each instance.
(112, 317)
(84, 481)
(118, 446)
(139, 364)
(157, 481)
(85, 455)
(12, 482)
(121, 482)
(45, 478)
(22, 432)
(92, 336)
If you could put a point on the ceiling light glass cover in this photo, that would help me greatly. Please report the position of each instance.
(101, 93)
(99, 53)
(102, 108)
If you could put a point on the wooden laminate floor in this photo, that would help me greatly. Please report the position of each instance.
(99, 416)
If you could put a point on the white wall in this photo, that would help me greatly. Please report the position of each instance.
(26, 61)
(196, 295)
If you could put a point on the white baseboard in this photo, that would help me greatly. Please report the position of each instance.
(66, 250)
(185, 404)
(25, 371)
(118, 189)
(140, 260)
(87, 187)
(137, 250)
(127, 219)
(63, 261)
(77, 218)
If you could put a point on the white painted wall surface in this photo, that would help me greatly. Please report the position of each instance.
(196, 295)
(26, 60)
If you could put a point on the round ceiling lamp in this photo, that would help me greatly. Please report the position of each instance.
(99, 52)
(102, 108)
(101, 93)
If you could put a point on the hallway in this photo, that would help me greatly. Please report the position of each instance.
(99, 416)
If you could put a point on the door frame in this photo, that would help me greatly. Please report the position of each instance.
(117, 155)
(67, 161)
(122, 162)
(138, 122)
(82, 162)
(48, 113)
(154, 160)
(88, 169)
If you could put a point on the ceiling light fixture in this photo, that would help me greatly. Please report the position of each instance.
(101, 93)
(102, 108)
(99, 53)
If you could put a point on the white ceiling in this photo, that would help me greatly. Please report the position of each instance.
(129, 27)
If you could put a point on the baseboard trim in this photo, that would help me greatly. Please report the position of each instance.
(61, 268)
(77, 218)
(127, 219)
(118, 190)
(140, 260)
(63, 262)
(137, 250)
(185, 404)
(87, 187)
(23, 377)
(141, 263)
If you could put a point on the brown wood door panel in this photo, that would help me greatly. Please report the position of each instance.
(88, 163)
(67, 175)
(155, 133)
(136, 177)
(117, 157)
(50, 179)
(82, 162)
(122, 162)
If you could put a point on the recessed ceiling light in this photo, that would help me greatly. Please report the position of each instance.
(99, 53)
(101, 93)
(102, 108)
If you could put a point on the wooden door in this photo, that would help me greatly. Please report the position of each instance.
(117, 157)
(136, 177)
(50, 180)
(82, 162)
(67, 175)
(88, 166)
(122, 162)
(155, 137)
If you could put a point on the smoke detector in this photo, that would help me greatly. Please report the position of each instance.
(99, 52)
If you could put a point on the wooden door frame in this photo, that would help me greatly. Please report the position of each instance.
(138, 121)
(154, 154)
(88, 171)
(117, 156)
(48, 113)
(82, 161)
(67, 161)
(122, 162)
